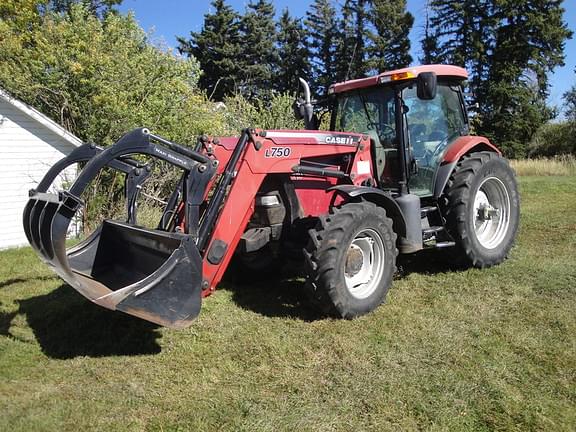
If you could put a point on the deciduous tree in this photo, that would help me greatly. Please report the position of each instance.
(97, 7)
(100, 78)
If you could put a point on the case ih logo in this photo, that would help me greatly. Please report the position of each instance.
(330, 139)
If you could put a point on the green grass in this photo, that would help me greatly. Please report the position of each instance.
(451, 350)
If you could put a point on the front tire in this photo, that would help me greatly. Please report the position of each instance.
(482, 208)
(350, 259)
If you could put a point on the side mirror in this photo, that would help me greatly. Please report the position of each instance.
(426, 85)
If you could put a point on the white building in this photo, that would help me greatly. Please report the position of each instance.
(30, 143)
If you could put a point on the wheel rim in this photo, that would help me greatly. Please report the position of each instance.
(364, 263)
(491, 215)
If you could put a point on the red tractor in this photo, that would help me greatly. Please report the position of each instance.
(396, 172)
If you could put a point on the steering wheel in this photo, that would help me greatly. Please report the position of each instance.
(386, 128)
(385, 131)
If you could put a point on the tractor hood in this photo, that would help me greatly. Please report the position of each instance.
(298, 137)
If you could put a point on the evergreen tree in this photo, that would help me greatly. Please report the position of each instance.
(345, 42)
(510, 47)
(429, 42)
(390, 48)
(321, 26)
(258, 55)
(512, 112)
(530, 36)
(217, 47)
(529, 44)
(359, 66)
(372, 37)
(293, 54)
(570, 99)
(463, 34)
(353, 39)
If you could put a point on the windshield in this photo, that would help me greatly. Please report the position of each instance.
(371, 111)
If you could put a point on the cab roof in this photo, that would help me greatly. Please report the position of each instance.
(400, 75)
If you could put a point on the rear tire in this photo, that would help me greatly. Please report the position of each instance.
(482, 208)
(350, 259)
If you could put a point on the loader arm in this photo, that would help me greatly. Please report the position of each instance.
(269, 153)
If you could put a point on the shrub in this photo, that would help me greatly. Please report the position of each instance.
(102, 77)
(274, 113)
(554, 139)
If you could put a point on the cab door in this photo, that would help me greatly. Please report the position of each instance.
(431, 126)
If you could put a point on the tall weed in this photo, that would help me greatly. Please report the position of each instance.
(557, 166)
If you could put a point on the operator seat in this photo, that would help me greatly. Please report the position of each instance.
(385, 155)
(417, 134)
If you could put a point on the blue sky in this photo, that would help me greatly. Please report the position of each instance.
(172, 18)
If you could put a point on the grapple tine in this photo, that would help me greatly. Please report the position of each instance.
(34, 223)
(46, 217)
(26, 219)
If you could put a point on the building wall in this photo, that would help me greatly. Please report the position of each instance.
(27, 150)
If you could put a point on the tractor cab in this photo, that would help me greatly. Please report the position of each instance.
(411, 115)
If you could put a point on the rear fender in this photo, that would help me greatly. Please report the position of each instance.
(458, 149)
(378, 197)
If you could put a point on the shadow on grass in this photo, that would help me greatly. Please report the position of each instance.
(14, 281)
(67, 325)
(287, 297)
(284, 298)
(430, 262)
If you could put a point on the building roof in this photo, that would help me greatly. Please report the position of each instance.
(406, 73)
(41, 118)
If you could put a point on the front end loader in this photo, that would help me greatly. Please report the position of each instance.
(396, 172)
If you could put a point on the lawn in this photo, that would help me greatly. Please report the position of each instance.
(450, 350)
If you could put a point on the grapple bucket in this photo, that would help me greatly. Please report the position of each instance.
(154, 274)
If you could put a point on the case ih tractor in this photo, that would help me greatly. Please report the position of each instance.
(397, 172)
